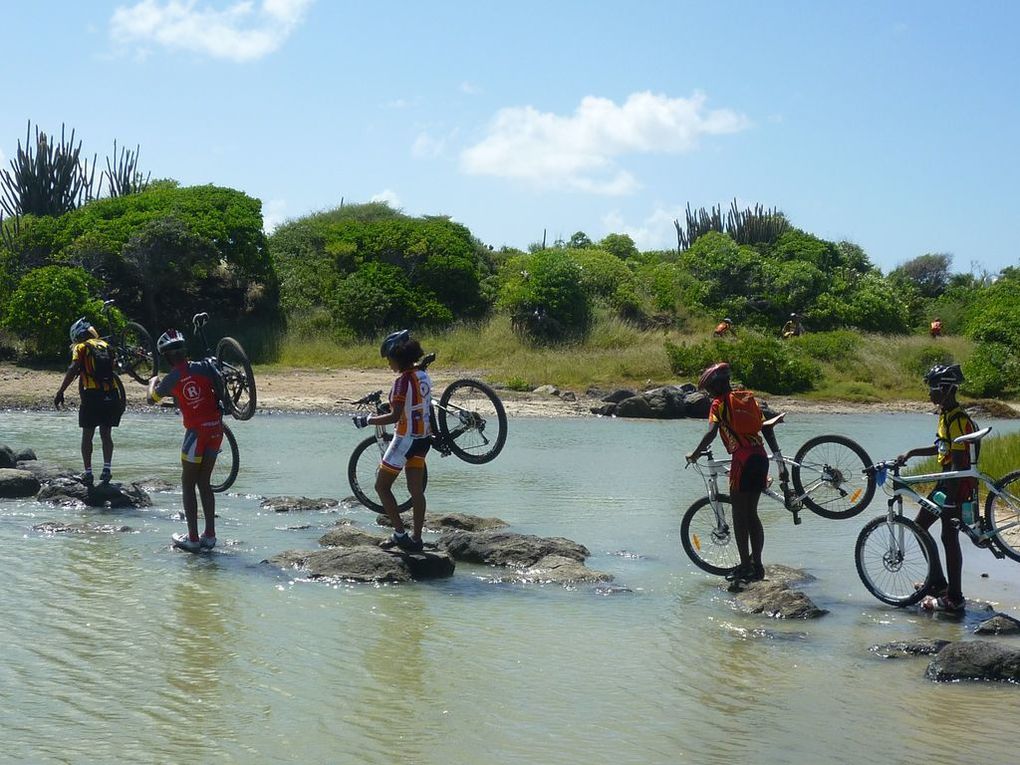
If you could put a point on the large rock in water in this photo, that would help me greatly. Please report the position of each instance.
(775, 596)
(17, 483)
(70, 491)
(299, 504)
(975, 660)
(442, 521)
(6, 457)
(366, 563)
(46, 471)
(506, 548)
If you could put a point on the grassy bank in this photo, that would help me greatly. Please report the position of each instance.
(873, 368)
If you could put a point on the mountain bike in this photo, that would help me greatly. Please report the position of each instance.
(227, 463)
(894, 554)
(830, 478)
(238, 395)
(134, 352)
(468, 421)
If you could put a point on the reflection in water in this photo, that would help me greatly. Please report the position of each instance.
(117, 648)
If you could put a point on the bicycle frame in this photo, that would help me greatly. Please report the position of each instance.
(374, 402)
(714, 468)
(902, 486)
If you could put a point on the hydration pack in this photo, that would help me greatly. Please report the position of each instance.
(102, 362)
(741, 413)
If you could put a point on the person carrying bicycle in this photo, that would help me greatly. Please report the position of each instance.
(943, 380)
(737, 419)
(195, 386)
(723, 328)
(410, 410)
(102, 395)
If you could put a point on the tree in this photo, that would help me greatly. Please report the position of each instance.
(544, 295)
(579, 240)
(45, 304)
(929, 274)
(620, 245)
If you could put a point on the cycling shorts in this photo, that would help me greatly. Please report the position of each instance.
(99, 409)
(405, 451)
(749, 470)
(200, 441)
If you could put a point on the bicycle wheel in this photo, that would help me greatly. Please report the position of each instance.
(136, 353)
(708, 539)
(238, 378)
(472, 421)
(1002, 515)
(227, 463)
(362, 468)
(894, 560)
(829, 475)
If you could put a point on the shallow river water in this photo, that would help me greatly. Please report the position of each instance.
(117, 648)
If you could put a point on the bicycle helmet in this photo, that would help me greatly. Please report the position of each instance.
(715, 373)
(171, 340)
(80, 329)
(392, 341)
(944, 376)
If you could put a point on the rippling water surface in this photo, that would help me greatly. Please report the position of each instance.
(117, 648)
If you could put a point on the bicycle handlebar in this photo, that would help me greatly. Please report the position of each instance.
(200, 319)
(371, 398)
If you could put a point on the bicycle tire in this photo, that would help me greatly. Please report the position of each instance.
(835, 467)
(464, 430)
(894, 560)
(224, 474)
(1002, 517)
(238, 378)
(136, 353)
(710, 548)
(362, 468)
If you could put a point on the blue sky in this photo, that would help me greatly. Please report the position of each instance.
(891, 124)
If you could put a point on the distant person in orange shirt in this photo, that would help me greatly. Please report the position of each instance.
(936, 327)
(724, 327)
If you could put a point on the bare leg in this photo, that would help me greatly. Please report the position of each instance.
(86, 446)
(954, 559)
(190, 473)
(742, 511)
(925, 518)
(384, 488)
(416, 486)
(106, 434)
(207, 495)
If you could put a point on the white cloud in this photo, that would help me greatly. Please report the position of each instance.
(578, 151)
(426, 146)
(273, 214)
(655, 232)
(243, 31)
(389, 196)
(470, 88)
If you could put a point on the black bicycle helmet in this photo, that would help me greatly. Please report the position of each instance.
(714, 374)
(392, 341)
(171, 340)
(944, 376)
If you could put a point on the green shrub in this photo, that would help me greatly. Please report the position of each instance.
(46, 303)
(519, 384)
(918, 362)
(545, 298)
(991, 370)
(759, 362)
(833, 346)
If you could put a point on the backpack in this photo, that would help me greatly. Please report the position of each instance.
(102, 363)
(741, 413)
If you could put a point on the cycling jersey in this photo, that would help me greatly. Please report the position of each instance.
(84, 354)
(952, 425)
(411, 395)
(193, 386)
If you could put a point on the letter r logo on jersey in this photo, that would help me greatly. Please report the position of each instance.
(191, 391)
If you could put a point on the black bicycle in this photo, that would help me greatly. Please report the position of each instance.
(468, 421)
(227, 463)
(238, 395)
(135, 353)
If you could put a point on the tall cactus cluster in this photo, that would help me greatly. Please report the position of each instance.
(123, 175)
(749, 226)
(46, 178)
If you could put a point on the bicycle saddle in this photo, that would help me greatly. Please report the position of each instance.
(977, 435)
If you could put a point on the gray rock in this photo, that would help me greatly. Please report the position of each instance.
(298, 504)
(346, 535)
(557, 569)
(619, 395)
(697, 404)
(156, 484)
(776, 598)
(568, 396)
(46, 471)
(593, 391)
(56, 527)
(1000, 624)
(667, 402)
(975, 660)
(441, 521)
(17, 483)
(366, 563)
(6, 457)
(901, 648)
(70, 491)
(606, 410)
(25, 455)
(506, 548)
(635, 406)
(547, 390)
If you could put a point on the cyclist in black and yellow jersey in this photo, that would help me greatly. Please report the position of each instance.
(102, 395)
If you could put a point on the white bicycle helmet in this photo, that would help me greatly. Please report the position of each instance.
(171, 340)
(80, 329)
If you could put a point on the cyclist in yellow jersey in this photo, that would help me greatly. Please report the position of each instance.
(102, 396)
(410, 410)
(943, 380)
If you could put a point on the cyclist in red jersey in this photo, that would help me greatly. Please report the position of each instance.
(193, 386)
